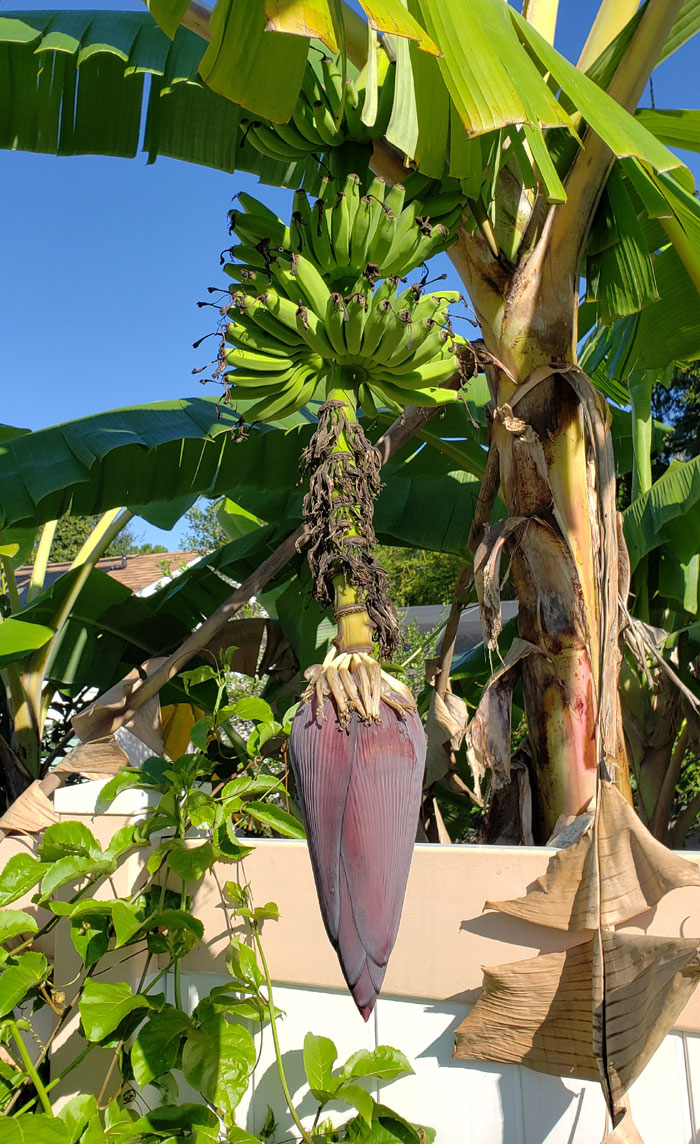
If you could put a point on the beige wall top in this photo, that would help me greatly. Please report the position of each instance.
(445, 938)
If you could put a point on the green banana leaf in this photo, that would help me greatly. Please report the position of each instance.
(155, 459)
(620, 271)
(95, 62)
(686, 24)
(18, 638)
(622, 431)
(110, 630)
(675, 128)
(144, 457)
(669, 513)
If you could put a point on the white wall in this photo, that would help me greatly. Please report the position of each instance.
(466, 1103)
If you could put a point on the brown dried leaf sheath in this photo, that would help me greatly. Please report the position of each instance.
(636, 872)
(339, 508)
(538, 1012)
(489, 733)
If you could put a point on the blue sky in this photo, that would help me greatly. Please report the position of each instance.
(104, 261)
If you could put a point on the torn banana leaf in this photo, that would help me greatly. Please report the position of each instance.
(636, 872)
(539, 1013)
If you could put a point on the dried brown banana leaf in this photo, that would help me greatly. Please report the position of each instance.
(539, 1013)
(637, 871)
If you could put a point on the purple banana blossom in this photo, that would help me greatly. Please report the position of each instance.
(360, 791)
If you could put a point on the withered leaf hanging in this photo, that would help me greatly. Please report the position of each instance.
(636, 871)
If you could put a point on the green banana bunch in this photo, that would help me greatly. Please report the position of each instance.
(325, 115)
(309, 299)
(346, 234)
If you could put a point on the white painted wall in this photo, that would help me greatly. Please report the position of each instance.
(466, 1103)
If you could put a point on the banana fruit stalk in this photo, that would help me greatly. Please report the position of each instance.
(357, 746)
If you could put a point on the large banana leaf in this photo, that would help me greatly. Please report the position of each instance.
(678, 127)
(73, 83)
(155, 460)
(668, 513)
(144, 457)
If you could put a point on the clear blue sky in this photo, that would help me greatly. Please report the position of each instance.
(104, 261)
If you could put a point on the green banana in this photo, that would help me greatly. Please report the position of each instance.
(430, 396)
(383, 237)
(264, 140)
(426, 346)
(434, 373)
(387, 402)
(255, 339)
(320, 228)
(366, 400)
(292, 137)
(297, 319)
(333, 83)
(368, 214)
(340, 230)
(386, 76)
(256, 227)
(336, 317)
(312, 284)
(407, 236)
(252, 276)
(280, 406)
(253, 256)
(266, 321)
(247, 360)
(249, 392)
(301, 223)
(357, 307)
(253, 206)
(375, 322)
(303, 121)
(307, 390)
(395, 197)
(360, 233)
(352, 201)
(398, 331)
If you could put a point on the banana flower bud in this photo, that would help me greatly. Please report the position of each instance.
(359, 781)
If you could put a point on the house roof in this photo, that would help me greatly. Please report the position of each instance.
(136, 572)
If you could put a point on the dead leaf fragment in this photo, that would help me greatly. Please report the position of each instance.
(31, 812)
(636, 872)
(487, 575)
(488, 734)
(538, 1012)
(145, 723)
(445, 728)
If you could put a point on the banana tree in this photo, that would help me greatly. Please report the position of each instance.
(556, 178)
